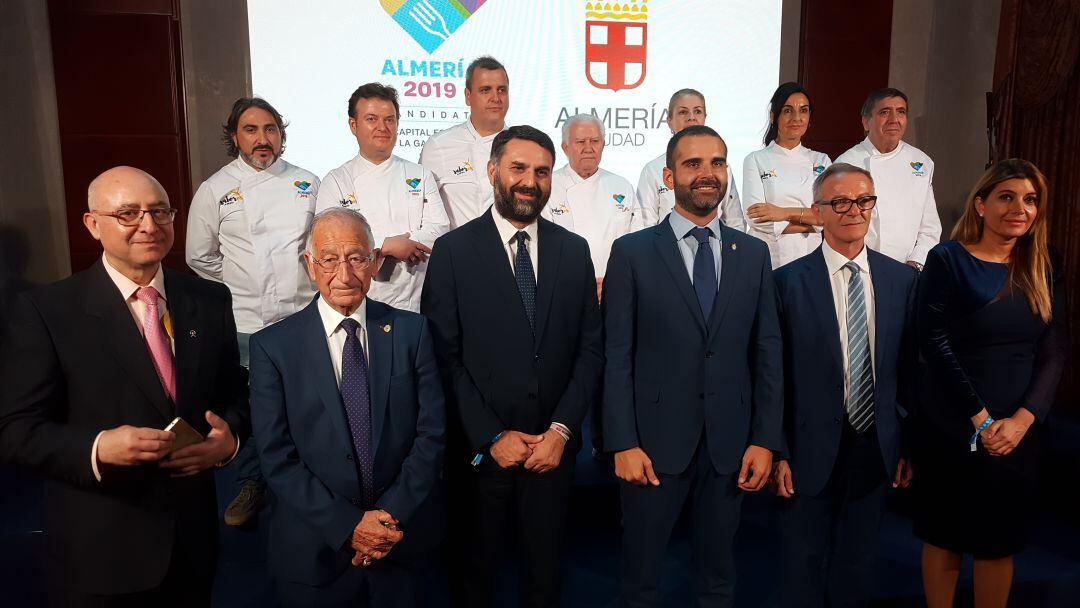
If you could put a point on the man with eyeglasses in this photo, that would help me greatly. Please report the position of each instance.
(400, 199)
(93, 368)
(245, 228)
(348, 412)
(906, 224)
(847, 319)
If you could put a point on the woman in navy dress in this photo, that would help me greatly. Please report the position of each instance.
(992, 332)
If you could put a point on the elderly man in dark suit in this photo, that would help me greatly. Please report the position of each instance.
(348, 414)
(692, 383)
(847, 316)
(512, 302)
(93, 368)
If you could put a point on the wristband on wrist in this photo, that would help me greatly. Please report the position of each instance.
(982, 427)
(480, 455)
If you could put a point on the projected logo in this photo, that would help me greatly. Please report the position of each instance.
(430, 22)
(615, 43)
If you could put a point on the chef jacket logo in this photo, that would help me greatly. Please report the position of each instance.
(430, 22)
(413, 184)
(619, 204)
(819, 169)
(232, 196)
(662, 190)
(562, 209)
(917, 169)
(616, 38)
(770, 174)
(302, 189)
(463, 168)
(348, 201)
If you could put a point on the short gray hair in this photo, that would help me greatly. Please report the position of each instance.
(338, 213)
(837, 170)
(581, 118)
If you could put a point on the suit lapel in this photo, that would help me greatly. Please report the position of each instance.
(882, 299)
(550, 245)
(380, 365)
(121, 336)
(731, 270)
(320, 369)
(667, 248)
(184, 312)
(817, 285)
(494, 263)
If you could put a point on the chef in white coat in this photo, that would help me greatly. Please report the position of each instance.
(778, 180)
(905, 225)
(245, 228)
(399, 198)
(654, 199)
(585, 199)
(458, 156)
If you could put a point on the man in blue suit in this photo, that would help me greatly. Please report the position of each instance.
(349, 409)
(693, 378)
(846, 315)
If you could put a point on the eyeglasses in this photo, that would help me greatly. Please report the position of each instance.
(331, 265)
(162, 216)
(843, 205)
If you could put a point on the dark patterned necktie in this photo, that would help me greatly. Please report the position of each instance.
(526, 278)
(356, 394)
(860, 402)
(704, 271)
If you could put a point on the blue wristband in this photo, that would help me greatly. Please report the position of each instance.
(480, 455)
(982, 427)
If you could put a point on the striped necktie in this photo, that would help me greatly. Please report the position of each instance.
(860, 400)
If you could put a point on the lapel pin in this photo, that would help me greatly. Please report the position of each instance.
(192, 333)
(734, 246)
(386, 329)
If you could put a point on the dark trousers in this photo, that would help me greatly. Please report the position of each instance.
(185, 586)
(649, 513)
(829, 539)
(385, 584)
(247, 460)
(489, 506)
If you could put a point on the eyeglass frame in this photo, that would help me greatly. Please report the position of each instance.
(356, 262)
(172, 211)
(834, 203)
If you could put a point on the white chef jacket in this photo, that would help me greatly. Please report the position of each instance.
(598, 208)
(246, 228)
(784, 178)
(397, 197)
(905, 223)
(655, 200)
(458, 157)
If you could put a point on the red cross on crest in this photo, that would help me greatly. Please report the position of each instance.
(616, 46)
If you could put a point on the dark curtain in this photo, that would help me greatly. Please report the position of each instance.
(1036, 110)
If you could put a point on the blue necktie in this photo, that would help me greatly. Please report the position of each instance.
(526, 278)
(704, 271)
(860, 402)
(356, 395)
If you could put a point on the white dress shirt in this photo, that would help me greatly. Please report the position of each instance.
(784, 178)
(396, 197)
(246, 229)
(598, 208)
(459, 157)
(655, 200)
(838, 280)
(335, 333)
(905, 223)
(508, 235)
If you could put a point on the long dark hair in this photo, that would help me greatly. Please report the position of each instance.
(239, 107)
(779, 98)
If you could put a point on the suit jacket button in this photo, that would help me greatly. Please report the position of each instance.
(701, 395)
(348, 457)
(709, 355)
(836, 420)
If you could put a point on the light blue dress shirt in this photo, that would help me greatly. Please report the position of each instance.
(688, 245)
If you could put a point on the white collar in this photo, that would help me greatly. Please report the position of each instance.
(128, 287)
(331, 319)
(278, 167)
(364, 165)
(576, 179)
(875, 152)
(476, 134)
(778, 149)
(508, 230)
(835, 261)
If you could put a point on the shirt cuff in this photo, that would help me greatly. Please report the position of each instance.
(562, 430)
(231, 458)
(93, 457)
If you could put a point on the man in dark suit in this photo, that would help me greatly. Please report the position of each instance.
(93, 368)
(846, 316)
(512, 303)
(692, 383)
(348, 414)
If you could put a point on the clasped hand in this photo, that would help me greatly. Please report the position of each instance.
(374, 537)
(128, 445)
(401, 247)
(537, 453)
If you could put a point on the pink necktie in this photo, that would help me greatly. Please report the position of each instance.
(157, 341)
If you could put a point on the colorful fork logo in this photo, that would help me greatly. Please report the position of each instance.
(430, 22)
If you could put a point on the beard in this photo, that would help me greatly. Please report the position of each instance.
(514, 209)
(700, 204)
(255, 162)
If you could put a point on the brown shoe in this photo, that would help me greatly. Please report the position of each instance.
(246, 505)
